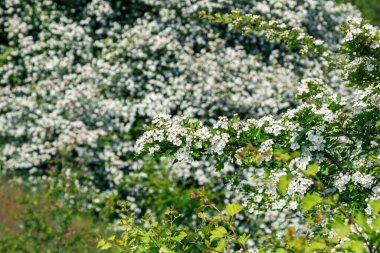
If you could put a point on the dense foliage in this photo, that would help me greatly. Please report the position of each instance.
(318, 162)
(277, 158)
(80, 79)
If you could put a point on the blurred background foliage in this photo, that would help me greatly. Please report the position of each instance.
(369, 8)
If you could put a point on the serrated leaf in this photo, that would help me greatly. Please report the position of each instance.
(104, 245)
(312, 170)
(181, 236)
(294, 154)
(218, 232)
(375, 206)
(376, 223)
(355, 246)
(164, 249)
(243, 238)
(283, 184)
(201, 215)
(219, 166)
(341, 228)
(316, 245)
(101, 242)
(222, 244)
(111, 238)
(233, 209)
(361, 220)
(310, 201)
(281, 155)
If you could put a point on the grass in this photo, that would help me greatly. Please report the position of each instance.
(37, 222)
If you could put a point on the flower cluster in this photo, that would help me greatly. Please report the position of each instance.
(321, 158)
(80, 78)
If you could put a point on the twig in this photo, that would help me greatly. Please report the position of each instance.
(340, 166)
(354, 134)
(334, 161)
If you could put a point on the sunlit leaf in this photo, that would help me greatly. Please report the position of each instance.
(233, 209)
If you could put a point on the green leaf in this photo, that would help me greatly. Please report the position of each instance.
(281, 251)
(361, 220)
(201, 215)
(222, 244)
(233, 209)
(312, 170)
(279, 155)
(219, 166)
(164, 249)
(355, 246)
(111, 238)
(283, 184)
(315, 246)
(180, 237)
(104, 245)
(310, 201)
(101, 242)
(375, 205)
(217, 233)
(341, 228)
(376, 223)
(243, 238)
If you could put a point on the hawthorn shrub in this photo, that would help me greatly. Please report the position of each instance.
(318, 163)
(80, 79)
